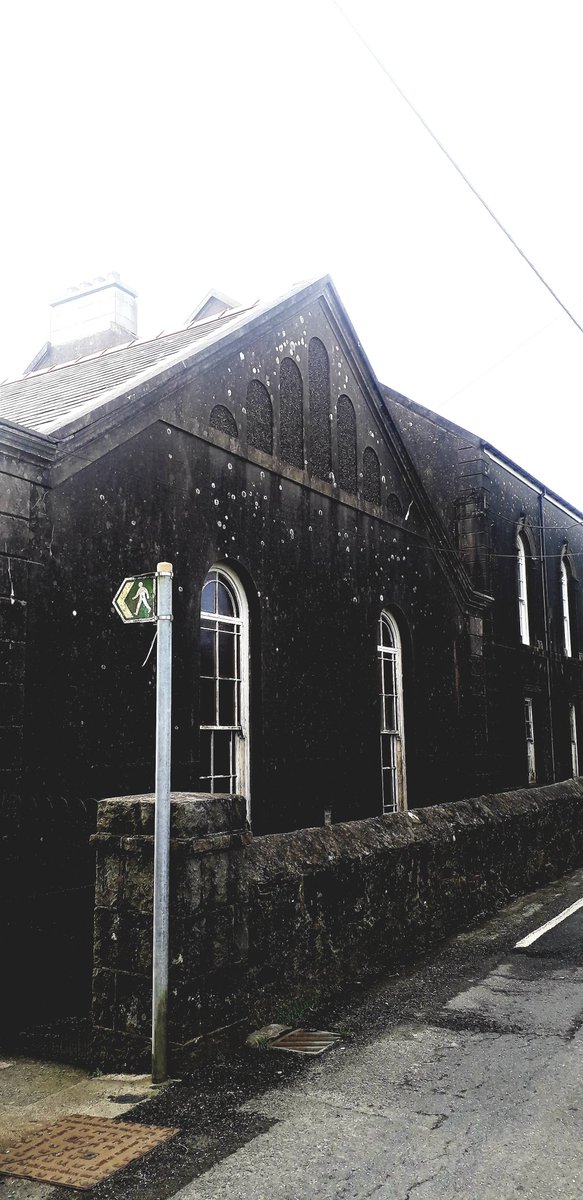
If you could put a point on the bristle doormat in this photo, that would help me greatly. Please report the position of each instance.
(79, 1152)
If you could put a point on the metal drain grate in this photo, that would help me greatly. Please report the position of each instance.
(79, 1152)
(306, 1041)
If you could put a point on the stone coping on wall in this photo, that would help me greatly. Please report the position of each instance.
(305, 850)
(192, 814)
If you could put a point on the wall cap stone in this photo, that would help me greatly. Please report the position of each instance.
(193, 815)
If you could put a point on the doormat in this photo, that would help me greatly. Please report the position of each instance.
(306, 1041)
(79, 1152)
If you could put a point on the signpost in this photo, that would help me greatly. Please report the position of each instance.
(142, 599)
(135, 600)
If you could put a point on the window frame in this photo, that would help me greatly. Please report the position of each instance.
(530, 741)
(239, 750)
(574, 741)
(522, 588)
(395, 798)
(566, 606)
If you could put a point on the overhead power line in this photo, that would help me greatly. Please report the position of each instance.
(454, 164)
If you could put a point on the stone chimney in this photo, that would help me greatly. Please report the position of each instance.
(94, 316)
(95, 307)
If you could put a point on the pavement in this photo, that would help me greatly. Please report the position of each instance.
(459, 1075)
(33, 1093)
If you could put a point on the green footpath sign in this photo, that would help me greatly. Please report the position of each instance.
(135, 600)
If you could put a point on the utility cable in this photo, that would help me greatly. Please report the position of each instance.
(499, 361)
(454, 164)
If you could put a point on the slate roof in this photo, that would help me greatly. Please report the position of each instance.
(43, 400)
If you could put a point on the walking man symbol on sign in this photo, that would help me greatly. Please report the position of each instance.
(142, 599)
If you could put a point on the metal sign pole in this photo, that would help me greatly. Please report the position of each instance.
(162, 822)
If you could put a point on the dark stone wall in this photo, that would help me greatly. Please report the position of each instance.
(43, 851)
(46, 863)
(209, 904)
(437, 448)
(257, 923)
(318, 562)
(540, 670)
(317, 566)
(483, 504)
(330, 905)
(17, 491)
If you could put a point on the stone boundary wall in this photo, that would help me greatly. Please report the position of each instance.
(259, 923)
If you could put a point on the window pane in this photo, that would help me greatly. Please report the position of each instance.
(207, 651)
(227, 702)
(227, 654)
(207, 600)
(528, 719)
(226, 606)
(390, 713)
(207, 702)
(389, 791)
(222, 753)
(387, 747)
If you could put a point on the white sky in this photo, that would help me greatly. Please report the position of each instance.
(247, 146)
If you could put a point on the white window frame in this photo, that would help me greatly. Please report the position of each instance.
(574, 741)
(522, 588)
(392, 747)
(529, 734)
(240, 747)
(567, 642)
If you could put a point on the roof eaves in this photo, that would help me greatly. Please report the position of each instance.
(19, 439)
(536, 484)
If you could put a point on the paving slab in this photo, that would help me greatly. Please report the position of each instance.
(33, 1093)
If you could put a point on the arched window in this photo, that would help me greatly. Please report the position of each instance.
(224, 684)
(319, 382)
(346, 431)
(291, 430)
(566, 600)
(259, 417)
(522, 589)
(371, 476)
(394, 790)
(221, 418)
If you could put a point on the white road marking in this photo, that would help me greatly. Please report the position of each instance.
(532, 937)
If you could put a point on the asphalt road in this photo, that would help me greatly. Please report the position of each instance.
(564, 942)
(476, 1096)
(458, 1076)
